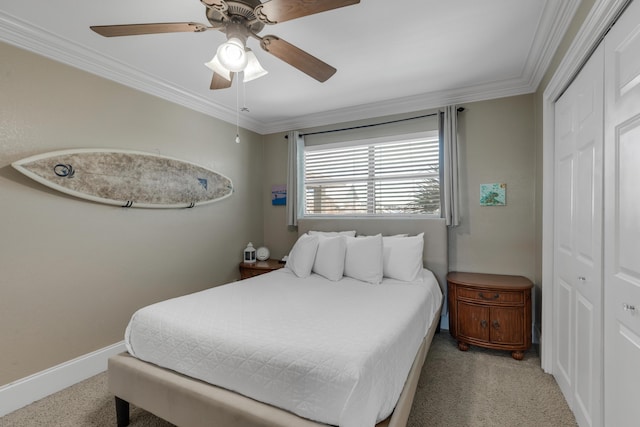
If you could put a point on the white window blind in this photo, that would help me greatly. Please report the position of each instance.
(374, 177)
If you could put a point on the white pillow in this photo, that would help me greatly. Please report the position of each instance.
(330, 257)
(363, 258)
(303, 255)
(403, 257)
(350, 233)
(384, 237)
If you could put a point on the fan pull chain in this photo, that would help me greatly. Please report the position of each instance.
(237, 113)
(244, 108)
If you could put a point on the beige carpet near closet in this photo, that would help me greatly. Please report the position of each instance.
(478, 388)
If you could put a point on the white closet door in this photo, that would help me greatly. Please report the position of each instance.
(622, 221)
(578, 363)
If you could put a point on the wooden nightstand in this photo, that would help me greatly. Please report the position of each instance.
(259, 267)
(490, 310)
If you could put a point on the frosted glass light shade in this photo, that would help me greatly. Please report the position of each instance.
(218, 68)
(232, 55)
(253, 69)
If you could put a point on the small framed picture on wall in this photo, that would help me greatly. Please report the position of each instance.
(493, 194)
(279, 195)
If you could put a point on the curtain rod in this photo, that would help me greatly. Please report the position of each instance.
(459, 110)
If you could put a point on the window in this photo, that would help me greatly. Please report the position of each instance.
(382, 176)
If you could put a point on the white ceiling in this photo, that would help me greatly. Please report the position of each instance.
(392, 56)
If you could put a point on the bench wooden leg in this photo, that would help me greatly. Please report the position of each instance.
(122, 412)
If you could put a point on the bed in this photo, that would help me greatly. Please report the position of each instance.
(323, 375)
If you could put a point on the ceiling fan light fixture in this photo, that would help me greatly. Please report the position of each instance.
(218, 68)
(232, 55)
(253, 69)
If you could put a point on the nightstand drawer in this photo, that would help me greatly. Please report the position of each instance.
(490, 295)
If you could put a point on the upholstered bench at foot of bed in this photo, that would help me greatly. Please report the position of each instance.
(185, 401)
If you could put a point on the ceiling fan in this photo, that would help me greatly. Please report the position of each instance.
(239, 20)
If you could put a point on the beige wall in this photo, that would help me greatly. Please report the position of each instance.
(496, 146)
(496, 143)
(277, 236)
(72, 272)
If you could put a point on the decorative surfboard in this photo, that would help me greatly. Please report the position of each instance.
(127, 178)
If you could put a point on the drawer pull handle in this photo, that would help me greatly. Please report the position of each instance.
(483, 323)
(495, 296)
(496, 324)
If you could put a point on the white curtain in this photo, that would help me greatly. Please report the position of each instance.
(295, 171)
(449, 188)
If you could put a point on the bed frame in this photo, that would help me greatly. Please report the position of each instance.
(188, 402)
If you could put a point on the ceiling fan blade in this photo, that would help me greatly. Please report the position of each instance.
(274, 11)
(138, 29)
(219, 82)
(216, 4)
(298, 58)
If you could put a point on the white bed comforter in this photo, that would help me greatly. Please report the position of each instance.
(334, 352)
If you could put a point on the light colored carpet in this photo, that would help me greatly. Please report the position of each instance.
(486, 388)
(476, 388)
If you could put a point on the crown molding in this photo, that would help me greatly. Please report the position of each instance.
(419, 102)
(554, 22)
(29, 37)
(602, 16)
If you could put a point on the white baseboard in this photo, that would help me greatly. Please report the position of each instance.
(24, 391)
